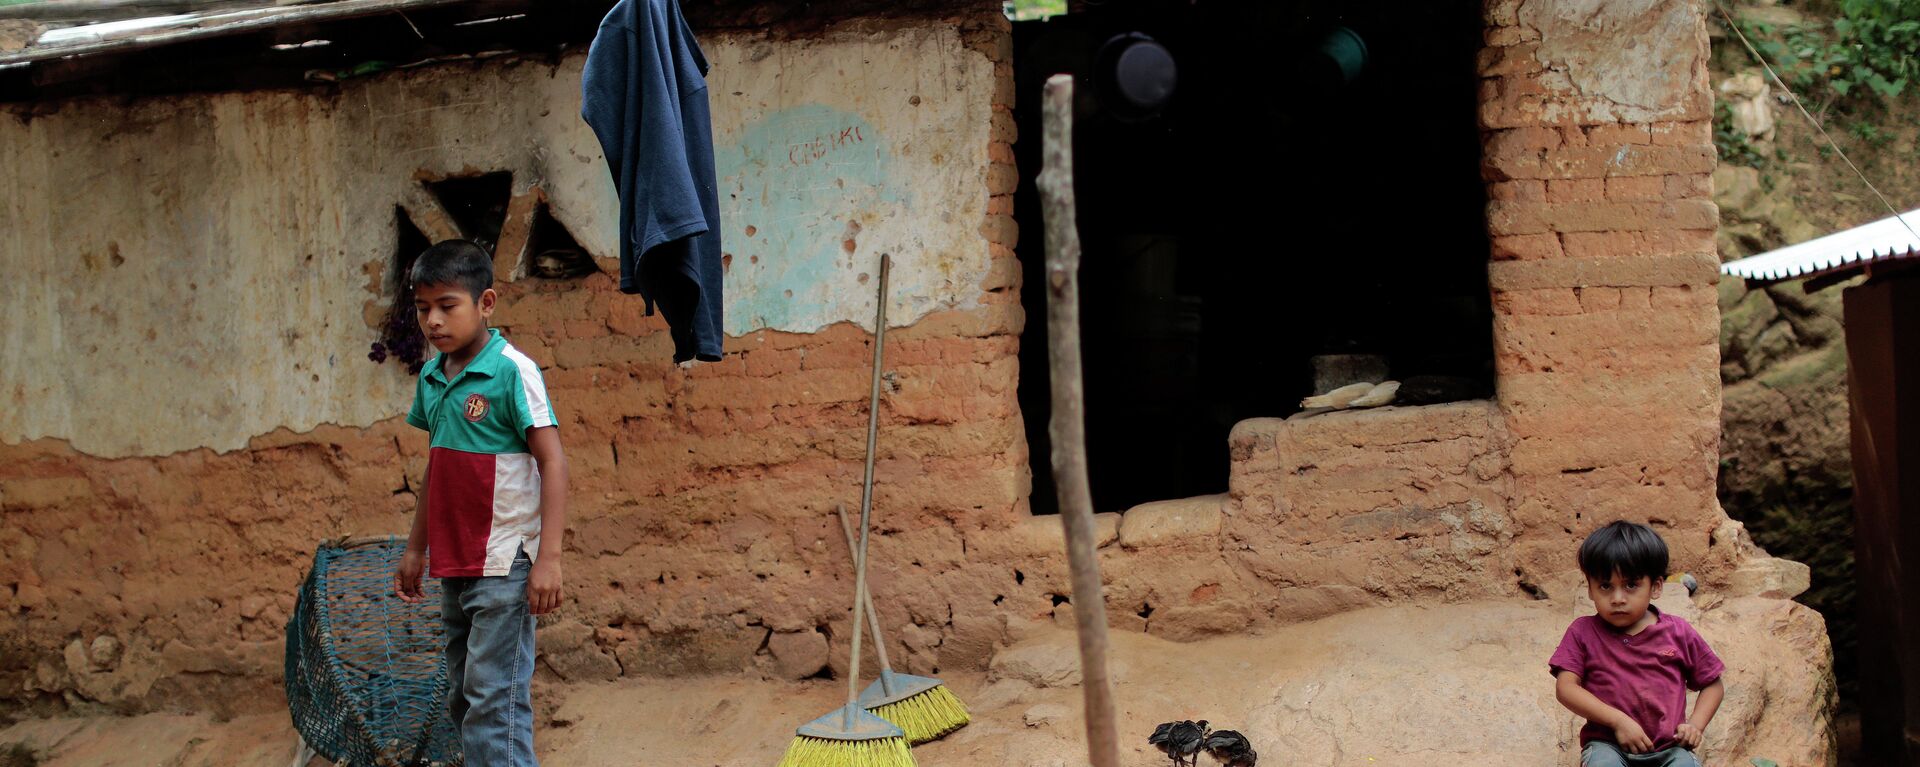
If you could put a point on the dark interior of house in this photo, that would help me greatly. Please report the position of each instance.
(1311, 187)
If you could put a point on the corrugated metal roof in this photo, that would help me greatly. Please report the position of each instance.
(88, 39)
(1848, 250)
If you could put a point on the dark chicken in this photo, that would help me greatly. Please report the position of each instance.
(1231, 749)
(1181, 741)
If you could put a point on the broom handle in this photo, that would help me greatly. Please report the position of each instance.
(873, 614)
(866, 495)
(1068, 427)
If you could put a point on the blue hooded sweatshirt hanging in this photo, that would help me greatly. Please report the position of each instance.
(644, 92)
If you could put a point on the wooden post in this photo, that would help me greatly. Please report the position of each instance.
(1068, 425)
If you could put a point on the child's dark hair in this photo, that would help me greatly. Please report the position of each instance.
(1634, 551)
(453, 262)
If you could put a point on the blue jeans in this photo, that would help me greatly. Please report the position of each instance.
(489, 666)
(1603, 754)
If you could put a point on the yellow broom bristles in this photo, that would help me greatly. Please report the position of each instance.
(820, 752)
(927, 716)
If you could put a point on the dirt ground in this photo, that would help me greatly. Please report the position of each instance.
(1409, 685)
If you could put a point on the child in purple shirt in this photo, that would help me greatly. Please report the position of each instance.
(1627, 668)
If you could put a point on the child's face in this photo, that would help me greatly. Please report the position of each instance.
(1622, 601)
(449, 315)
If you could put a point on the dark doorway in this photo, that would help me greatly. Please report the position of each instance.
(1273, 212)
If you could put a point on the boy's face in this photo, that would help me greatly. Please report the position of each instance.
(449, 315)
(1622, 601)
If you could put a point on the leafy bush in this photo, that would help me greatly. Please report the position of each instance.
(1028, 10)
(1870, 51)
(1732, 144)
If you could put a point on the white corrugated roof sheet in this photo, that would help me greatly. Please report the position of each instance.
(84, 39)
(1881, 240)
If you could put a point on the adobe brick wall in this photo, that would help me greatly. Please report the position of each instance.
(1351, 509)
(702, 528)
(703, 537)
(1597, 158)
(1605, 328)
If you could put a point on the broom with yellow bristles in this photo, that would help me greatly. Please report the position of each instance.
(849, 736)
(922, 707)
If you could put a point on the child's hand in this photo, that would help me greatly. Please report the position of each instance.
(406, 577)
(543, 585)
(1688, 735)
(1628, 734)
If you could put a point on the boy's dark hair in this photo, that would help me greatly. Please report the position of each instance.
(453, 262)
(1632, 550)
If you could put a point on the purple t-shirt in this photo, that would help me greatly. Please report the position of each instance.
(1647, 675)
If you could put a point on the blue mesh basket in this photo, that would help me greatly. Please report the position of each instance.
(366, 673)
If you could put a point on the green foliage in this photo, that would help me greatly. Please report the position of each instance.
(1872, 135)
(1731, 143)
(1759, 762)
(1028, 10)
(1868, 54)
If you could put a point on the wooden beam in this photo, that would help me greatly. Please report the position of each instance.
(1823, 281)
(510, 256)
(1068, 428)
(427, 215)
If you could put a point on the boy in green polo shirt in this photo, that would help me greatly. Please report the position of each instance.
(496, 480)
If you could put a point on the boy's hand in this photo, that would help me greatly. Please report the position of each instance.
(1628, 734)
(1689, 735)
(543, 585)
(406, 578)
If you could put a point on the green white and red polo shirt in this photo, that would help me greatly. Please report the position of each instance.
(483, 487)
